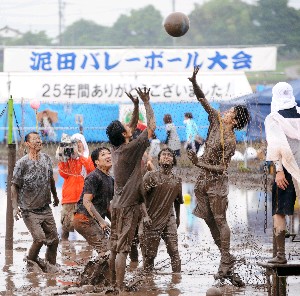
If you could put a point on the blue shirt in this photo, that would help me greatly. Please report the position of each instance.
(191, 130)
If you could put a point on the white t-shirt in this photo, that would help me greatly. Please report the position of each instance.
(174, 141)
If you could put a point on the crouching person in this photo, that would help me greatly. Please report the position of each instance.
(89, 219)
(93, 206)
(162, 189)
(32, 184)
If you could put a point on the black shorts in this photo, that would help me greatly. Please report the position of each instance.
(283, 201)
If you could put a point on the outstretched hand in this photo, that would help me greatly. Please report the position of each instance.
(192, 156)
(147, 221)
(195, 72)
(144, 94)
(134, 100)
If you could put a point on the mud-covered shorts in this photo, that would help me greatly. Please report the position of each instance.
(283, 201)
(41, 225)
(211, 193)
(150, 238)
(123, 227)
(92, 232)
(67, 216)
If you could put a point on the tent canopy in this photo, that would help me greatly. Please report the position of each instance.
(259, 105)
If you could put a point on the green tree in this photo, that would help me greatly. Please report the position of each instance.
(277, 23)
(86, 33)
(143, 27)
(221, 22)
(30, 38)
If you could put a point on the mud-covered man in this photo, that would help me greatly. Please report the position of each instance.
(163, 190)
(211, 188)
(128, 191)
(93, 206)
(32, 185)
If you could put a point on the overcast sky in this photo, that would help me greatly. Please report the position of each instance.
(38, 15)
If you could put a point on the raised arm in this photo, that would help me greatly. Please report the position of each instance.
(135, 114)
(145, 97)
(199, 93)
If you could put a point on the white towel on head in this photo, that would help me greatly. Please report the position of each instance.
(80, 137)
(283, 97)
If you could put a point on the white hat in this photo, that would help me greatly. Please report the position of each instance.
(283, 97)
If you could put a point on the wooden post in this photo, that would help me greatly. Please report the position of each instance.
(11, 165)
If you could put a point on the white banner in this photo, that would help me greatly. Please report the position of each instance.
(104, 88)
(155, 60)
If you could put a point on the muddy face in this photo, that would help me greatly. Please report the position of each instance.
(35, 143)
(166, 158)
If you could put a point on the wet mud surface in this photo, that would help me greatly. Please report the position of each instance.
(200, 257)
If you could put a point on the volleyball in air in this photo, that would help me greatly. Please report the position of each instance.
(177, 24)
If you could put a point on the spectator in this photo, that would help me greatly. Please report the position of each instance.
(154, 146)
(191, 132)
(172, 140)
(74, 166)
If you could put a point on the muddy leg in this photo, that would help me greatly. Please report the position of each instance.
(34, 251)
(227, 260)
(214, 230)
(171, 241)
(112, 267)
(149, 263)
(64, 235)
(120, 269)
(51, 253)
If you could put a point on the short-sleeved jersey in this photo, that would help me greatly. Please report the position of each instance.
(101, 186)
(126, 160)
(161, 192)
(32, 177)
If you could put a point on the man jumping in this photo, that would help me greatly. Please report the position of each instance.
(128, 191)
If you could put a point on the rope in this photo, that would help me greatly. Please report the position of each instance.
(17, 123)
(2, 112)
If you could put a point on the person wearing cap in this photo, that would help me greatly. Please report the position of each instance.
(283, 139)
(73, 169)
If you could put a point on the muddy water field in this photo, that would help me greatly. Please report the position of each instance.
(200, 257)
